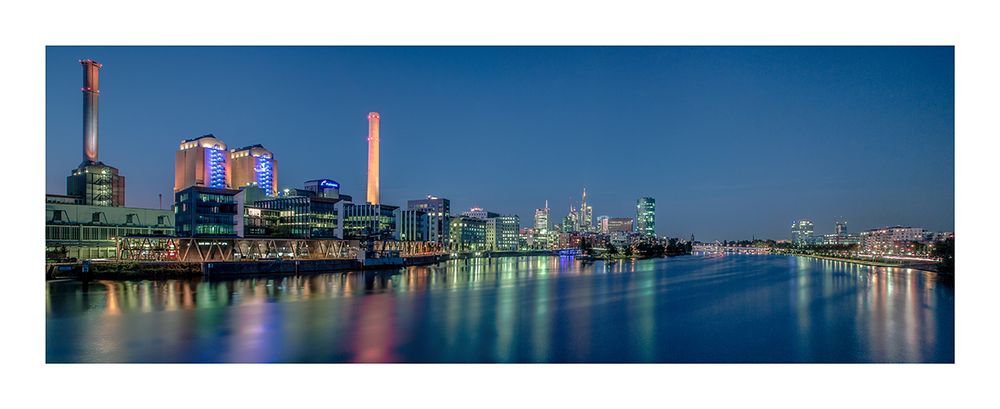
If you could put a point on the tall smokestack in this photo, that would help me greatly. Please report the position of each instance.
(373, 191)
(91, 91)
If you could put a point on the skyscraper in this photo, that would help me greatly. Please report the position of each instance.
(802, 232)
(202, 161)
(542, 219)
(93, 182)
(586, 218)
(373, 140)
(841, 227)
(645, 216)
(254, 165)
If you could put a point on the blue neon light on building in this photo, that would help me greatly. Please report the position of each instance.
(265, 177)
(217, 167)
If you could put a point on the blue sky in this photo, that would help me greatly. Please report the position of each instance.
(731, 141)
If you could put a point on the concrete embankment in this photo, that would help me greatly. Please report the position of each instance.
(112, 270)
(923, 266)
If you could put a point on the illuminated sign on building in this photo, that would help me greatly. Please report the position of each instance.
(326, 183)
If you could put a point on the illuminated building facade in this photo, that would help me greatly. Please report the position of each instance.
(467, 234)
(890, 240)
(299, 216)
(502, 233)
(438, 216)
(602, 224)
(542, 224)
(802, 232)
(619, 225)
(202, 161)
(74, 230)
(840, 227)
(324, 188)
(93, 182)
(645, 216)
(373, 145)
(254, 166)
(586, 217)
(411, 225)
(201, 211)
(362, 221)
(479, 213)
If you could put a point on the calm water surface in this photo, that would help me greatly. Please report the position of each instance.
(518, 309)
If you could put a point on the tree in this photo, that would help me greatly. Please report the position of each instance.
(945, 251)
(612, 250)
(585, 246)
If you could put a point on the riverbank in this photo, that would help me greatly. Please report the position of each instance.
(922, 266)
(116, 270)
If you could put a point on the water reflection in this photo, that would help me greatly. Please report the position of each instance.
(518, 309)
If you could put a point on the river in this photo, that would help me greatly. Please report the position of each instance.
(733, 308)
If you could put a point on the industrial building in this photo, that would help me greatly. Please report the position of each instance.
(202, 161)
(95, 183)
(79, 231)
(373, 157)
(254, 166)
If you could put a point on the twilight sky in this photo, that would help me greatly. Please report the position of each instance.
(731, 141)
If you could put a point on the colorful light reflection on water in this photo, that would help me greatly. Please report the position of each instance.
(518, 309)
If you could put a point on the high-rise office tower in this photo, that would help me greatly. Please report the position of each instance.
(202, 161)
(586, 218)
(542, 218)
(95, 183)
(841, 227)
(802, 232)
(373, 186)
(254, 165)
(645, 216)
(602, 224)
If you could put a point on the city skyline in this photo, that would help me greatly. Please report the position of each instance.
(711, 202)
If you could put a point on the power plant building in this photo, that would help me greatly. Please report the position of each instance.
(373, 157)
(202, 161)
(95, 183)
(78, 231)
(254, 166)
